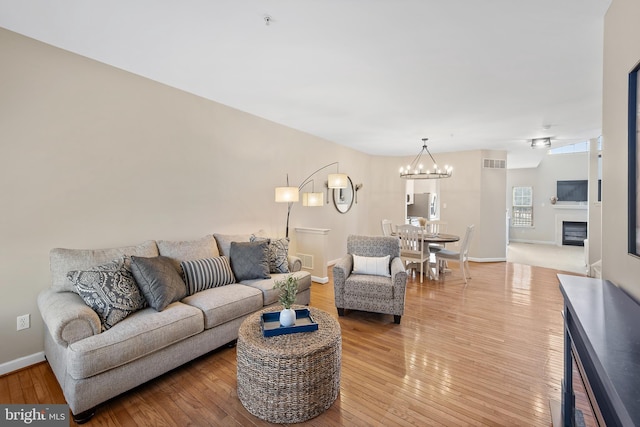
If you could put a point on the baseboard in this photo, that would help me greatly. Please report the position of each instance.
(322, 280)
(487, 259)
(535, 242)
(22, 362)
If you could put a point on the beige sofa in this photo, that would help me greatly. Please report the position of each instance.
(93, 365)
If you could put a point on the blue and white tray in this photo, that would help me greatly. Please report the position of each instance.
(270, 323)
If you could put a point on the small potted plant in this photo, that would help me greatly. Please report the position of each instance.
(288, 289)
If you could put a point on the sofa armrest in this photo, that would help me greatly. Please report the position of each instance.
(341, 270)
(295, 263)
(67, 317)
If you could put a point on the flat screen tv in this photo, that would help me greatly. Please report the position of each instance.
(572, 191)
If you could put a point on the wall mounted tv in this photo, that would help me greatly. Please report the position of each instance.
(572, 191)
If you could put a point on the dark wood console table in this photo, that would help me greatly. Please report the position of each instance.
(602, 335)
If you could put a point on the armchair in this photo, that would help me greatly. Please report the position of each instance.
(371, 292)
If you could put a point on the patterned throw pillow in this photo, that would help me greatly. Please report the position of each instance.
(250, 260)
(207, 273)
(278, 253)
(110, 290)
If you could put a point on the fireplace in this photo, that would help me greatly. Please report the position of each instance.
(574, 233)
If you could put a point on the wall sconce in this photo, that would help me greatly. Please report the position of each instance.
(357, 187)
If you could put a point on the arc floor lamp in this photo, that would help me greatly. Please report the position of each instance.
(291, 194)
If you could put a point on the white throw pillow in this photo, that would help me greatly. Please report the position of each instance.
(375, 266)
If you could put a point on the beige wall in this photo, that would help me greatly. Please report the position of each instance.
(474, 195)
(96, 157)
(621, 54)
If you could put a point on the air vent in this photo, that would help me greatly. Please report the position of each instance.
(307, 260)
(494, 163)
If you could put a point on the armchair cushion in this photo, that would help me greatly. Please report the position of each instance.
(377, 287)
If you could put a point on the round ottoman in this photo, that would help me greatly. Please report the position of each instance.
(289, 378)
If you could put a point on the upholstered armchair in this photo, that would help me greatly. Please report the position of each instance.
(364, 280)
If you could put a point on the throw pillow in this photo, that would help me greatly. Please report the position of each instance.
(207, 273)
(224, 241)
(110, 290)
(250, 260)
(278, 253)
(375, 266)
(158, 280)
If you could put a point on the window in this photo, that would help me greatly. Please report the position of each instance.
(579, 147)
(522, 213)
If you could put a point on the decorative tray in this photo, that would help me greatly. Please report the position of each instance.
(270, 323)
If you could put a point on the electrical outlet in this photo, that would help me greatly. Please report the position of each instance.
(24, 322)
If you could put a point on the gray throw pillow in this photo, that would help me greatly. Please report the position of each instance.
(110, 290)
(250, 260)
(278, 253)
(158, 280)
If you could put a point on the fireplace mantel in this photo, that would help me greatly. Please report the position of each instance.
(601, 326)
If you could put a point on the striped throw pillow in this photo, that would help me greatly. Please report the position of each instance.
(207, 273)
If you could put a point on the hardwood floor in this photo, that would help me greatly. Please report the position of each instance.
(486, 354)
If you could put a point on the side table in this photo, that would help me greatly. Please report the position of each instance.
(289, 378)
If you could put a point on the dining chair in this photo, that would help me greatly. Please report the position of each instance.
(462, 256)
(435, 227)
(413, 250)
(387, 227)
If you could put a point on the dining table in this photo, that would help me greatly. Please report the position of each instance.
(435, 238)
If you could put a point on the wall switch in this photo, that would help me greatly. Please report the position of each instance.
(24, 322)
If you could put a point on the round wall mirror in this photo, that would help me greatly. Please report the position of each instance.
(343, 197)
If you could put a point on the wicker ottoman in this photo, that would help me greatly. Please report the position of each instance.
(289, 378)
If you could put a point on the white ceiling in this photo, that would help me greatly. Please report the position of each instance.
(374, 75)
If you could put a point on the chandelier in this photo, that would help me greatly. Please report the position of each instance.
(417, 170)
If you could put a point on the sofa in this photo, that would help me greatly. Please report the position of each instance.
(371, 277)
(105, 335)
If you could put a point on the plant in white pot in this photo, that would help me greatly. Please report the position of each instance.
(288, 290)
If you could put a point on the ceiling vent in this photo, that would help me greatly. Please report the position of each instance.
(494, 163)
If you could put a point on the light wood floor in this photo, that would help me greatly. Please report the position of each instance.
(487, 354)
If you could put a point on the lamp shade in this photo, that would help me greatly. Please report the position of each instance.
(312, 199)
(287, 194)
(338, 180)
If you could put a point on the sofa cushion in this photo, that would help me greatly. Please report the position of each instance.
(142, 333)
(270, 295)
(188, 250)
(225, 303)
(278, 253)
(64, 260)
(110, 290)
(361, 285)
(250, 260)
(376, 266)
(158, 280)
(201, 274)
(224, 241)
